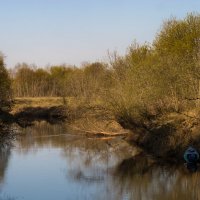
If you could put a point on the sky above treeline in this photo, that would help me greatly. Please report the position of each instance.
(50, 32)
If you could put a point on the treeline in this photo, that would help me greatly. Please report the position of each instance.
(149, 79)
(59, 81)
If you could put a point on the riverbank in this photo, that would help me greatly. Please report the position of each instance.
(24, 111)
(90, 118)
(164, 137)
(168, 136)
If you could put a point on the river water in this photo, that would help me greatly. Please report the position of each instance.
(50, 162)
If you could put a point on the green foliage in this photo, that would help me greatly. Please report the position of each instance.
(162, 77)
(179, 38)
(5, 90)
(178, 49)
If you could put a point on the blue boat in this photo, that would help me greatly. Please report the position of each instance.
(191, 156)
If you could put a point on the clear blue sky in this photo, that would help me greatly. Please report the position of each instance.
(73, 31)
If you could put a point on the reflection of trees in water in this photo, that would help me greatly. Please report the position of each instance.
(88, 161)
(73, 145)
(7, 136)
(7, 197)
(58, 136)
(95, 163)
(141, 178)
(6, 139)
(42, 134)
(4, 158)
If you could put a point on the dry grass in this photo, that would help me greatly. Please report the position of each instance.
(21, 103)
(44, 102)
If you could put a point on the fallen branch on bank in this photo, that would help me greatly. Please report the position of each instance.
(101, 133)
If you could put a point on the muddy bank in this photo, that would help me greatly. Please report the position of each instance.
(168, 137)
(6, 117)
(28, 115)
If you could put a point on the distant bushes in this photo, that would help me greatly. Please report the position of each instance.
(62, 81)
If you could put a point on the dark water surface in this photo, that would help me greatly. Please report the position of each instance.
(49, 162)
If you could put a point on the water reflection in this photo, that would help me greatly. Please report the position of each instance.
(6, 139)
(52, 162)
(7, 136)
(156, 182)
(4, 158)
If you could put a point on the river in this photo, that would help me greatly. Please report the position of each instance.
(50, 162)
